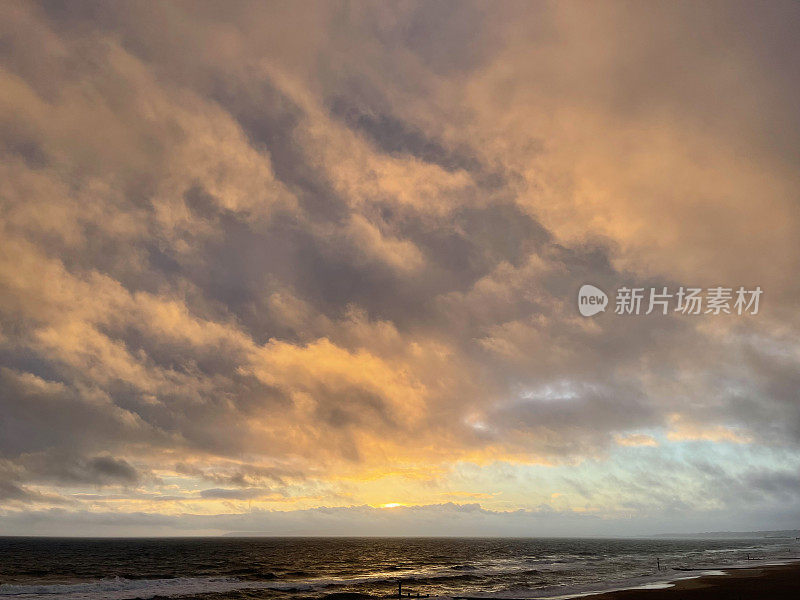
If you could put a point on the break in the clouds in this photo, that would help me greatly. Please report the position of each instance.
(272, 266)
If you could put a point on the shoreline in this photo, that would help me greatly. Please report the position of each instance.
(775, 579)
(767, 581)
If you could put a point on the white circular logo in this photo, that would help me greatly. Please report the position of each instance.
(591, 300)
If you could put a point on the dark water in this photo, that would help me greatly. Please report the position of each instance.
(295, 568)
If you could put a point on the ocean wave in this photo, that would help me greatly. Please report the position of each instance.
(528, 573)
(120, 588)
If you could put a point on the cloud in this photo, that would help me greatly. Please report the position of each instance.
(66, 470)
(234, 494)
(636, 439)
(14, 494)
(681, 430)
(436, 519)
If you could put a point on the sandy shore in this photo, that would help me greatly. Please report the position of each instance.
(768, 583)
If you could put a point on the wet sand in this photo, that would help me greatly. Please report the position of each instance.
(768, 583)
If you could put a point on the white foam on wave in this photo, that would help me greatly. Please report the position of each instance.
(651, 582)
(120, 588)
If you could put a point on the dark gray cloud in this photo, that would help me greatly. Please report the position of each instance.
(98, 470)
(234, 494)
(10, 492)
(395, 136)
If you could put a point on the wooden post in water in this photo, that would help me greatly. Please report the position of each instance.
(399, 589)
(658, 564)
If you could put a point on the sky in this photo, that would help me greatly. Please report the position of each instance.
(313, 268)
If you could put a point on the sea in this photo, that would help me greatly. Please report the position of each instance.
(361, 568)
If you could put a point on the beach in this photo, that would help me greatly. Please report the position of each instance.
(768, 583)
